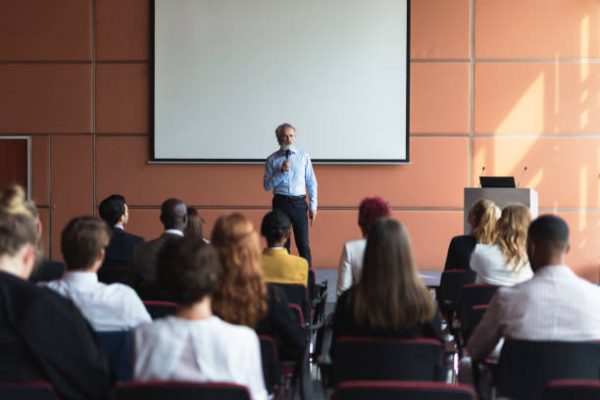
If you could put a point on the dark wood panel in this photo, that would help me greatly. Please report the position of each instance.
(13, 162)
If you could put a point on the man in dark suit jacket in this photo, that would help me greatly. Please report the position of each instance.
(119, 253)
(173, 215)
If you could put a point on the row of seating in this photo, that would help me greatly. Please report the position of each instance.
(356, 390)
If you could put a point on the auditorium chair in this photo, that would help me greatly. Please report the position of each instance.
(395, 390)
(180, 391)
(118, 347)
(370, 358)
(572, 389)
(475, 315)
(159, 309)
(451, 283)
(271, 363)
(525, 367)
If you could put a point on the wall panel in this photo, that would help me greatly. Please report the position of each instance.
(45, 98)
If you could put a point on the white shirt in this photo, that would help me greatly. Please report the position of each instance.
(208, 350)
(175, 232)
(350, 265)
(554, 305)
(488, 261)
(107, 307)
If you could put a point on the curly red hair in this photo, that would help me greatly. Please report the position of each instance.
(241, 296)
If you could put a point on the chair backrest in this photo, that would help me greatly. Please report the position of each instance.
(35, 390)
(298, 313)
(451, 283)
(271, 363)
(118, 347)
(369, 358)
(159, 309)
(180, 391)
(296, 294)
(473, 294)
(572, 389)
(473, 318)
(393, 390)
(525, 367)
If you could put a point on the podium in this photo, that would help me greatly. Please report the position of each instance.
(500, 196)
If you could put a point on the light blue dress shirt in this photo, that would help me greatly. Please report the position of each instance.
(294, 182)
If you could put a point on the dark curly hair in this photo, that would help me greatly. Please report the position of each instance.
(189, 269)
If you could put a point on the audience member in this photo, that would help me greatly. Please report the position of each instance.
(242, 296)
(106, 307)
(279, 266)
(389, 300)
(173, 215)
(482, 218)
(45, 269)
(553, 305)
(350, 265)
(504, 262)
(44, 336)
(195, 345)
(114, 211)
(195, 225)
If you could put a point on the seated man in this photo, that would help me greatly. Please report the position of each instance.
(115, 213)
(106, 307)
(44, 336)
(173, 215)
(278, 265)
(553, 305)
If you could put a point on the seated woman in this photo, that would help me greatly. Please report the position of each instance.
(242, 296)
(504, 262)
(350, 265)
(390, 300)
(195, 345)
(44, 336)
(482, 218)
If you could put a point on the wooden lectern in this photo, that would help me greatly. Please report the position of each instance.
(500, 196)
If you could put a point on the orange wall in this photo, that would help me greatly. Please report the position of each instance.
(497, 83)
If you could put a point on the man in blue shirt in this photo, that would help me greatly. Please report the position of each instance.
(289, 173)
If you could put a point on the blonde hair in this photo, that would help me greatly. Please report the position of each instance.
(511, 235)
(241, 296)
(484, 215)
(17, 226)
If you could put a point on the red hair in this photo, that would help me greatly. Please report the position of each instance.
(370, 210)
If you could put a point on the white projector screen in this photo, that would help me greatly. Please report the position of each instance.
(227, 72)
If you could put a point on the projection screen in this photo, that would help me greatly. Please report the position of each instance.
(227, 72)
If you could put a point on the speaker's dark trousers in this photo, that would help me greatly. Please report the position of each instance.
(296, 209)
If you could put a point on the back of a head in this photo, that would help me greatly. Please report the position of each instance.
(112, 208)
(370, 210)
(17, 227)
(13, 200)
(483, 216)
(511, 234)
(194, 227)
(241, 295)
(550, 235)
(173, 214)
(82, 240)
(275, 225)
(389, 293)
(189, 269)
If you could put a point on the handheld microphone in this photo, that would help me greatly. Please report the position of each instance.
(287, 154)
(522, 175)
